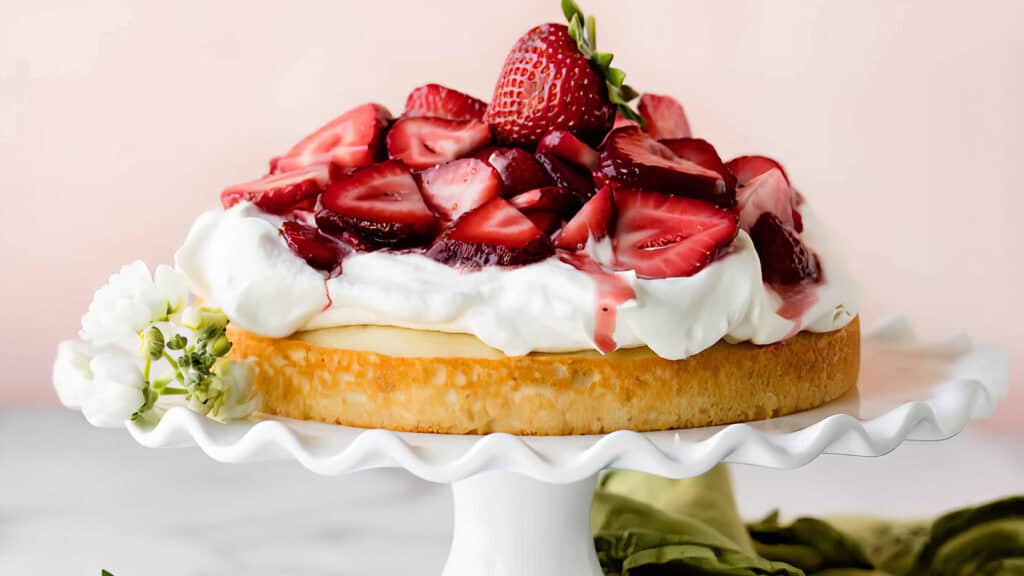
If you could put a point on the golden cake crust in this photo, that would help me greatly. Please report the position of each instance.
(549, 394)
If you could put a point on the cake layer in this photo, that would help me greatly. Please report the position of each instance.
(400, 379)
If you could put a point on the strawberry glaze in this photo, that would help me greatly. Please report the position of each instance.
(796, 300)
(612, 291)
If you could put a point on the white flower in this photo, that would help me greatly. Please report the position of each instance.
(115, 392)
(71, 375)
(130, 301)
(237, 398)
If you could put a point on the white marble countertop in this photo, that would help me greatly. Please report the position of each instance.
(75, 499)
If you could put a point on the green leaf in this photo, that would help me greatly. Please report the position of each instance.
(615, 76)
(583, 30)
(570, 9)
(602, 59)
(105, 573)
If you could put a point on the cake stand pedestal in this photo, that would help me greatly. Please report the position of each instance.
(522, 504)
(509, 524)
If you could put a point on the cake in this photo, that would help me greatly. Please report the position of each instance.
(549, 262)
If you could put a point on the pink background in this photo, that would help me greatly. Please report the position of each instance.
(901, 122)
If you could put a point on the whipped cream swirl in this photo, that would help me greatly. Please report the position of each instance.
(237, 260)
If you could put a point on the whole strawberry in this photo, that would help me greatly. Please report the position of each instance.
(554, 79)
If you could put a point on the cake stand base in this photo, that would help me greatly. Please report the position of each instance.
(511, 525)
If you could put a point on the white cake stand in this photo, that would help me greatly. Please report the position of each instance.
(522, 504)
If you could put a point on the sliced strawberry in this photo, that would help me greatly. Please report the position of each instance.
(456, 187)
(493, 234)
(621, 121)
(660, 236)
(633, 159)
(592, 221)
(703, 153)
(280, 193)
(546, 199)
(356, 138)
(309, 244)
(663, 117)
(379, 203)
(547, 222)
(765, 193)
(519, 170)
(424, 142)
(576, 181)
(746, 168)
(439, 101)
(785, 260)
(564, 145)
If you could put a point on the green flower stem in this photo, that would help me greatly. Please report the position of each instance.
(174, 364)
(174, 392)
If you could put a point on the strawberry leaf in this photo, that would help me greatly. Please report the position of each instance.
(583, 30)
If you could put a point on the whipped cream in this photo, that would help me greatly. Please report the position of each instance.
(237, 260)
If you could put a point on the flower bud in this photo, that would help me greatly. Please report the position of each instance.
(153, 342)
(219, 346)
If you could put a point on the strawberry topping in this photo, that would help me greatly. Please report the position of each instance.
(562, 144)
(765, 193)
(574, 180)
(548, 84)
(785, 260)
(663, 117)
(356, 138)
(459, 186)
(439, 101)
(318, 250)
(423, 142)
(746, 168)
(380, 204)
(660, 236)
(280, 193)
(633, 159)
(749, 168)
(703, 153)
(494, 234)
(547, 222)
(546, 199)
(592, 221)
(518, 168)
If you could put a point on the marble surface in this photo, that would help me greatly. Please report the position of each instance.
(75, 499)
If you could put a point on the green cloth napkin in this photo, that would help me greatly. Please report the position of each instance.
(648, 525)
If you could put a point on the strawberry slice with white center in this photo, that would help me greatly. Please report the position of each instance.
(592, 221)
(456, 187)
(280, 193)
(663, 117)
(565, 145)
(354, 139)
(545, 199)
(495, 234)
(308, 243)
(746, 168)
(703, 153)
(662, 236)
(380, 204)
(424, 142)
(632, 159)
(766, 193)
(439, 101)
